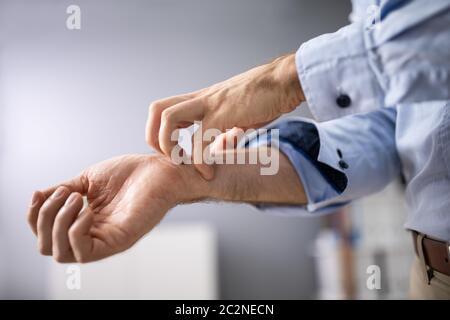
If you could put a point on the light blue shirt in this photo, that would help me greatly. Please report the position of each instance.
(395, 74)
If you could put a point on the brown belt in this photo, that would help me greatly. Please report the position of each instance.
(436, 253)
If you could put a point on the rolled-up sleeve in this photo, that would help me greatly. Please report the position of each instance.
(403, 58)
(356, 156)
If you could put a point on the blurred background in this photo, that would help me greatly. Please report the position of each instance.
(71, 98)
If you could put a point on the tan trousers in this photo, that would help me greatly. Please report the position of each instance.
(439, 287)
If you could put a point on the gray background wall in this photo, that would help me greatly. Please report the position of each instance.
(72, 98)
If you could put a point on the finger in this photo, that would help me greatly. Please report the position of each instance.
(66, 216)
(227, 140)
(154, 118)
(33, 210)
(78, 184)
(201, 149)
(175, 117)
(80, 238)
(46, 218)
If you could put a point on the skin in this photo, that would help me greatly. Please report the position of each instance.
(248, 100)
(129, 195)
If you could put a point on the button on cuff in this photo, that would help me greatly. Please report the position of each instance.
(343, 101)
(343, 164)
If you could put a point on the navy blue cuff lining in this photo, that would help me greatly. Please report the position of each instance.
(304, 138)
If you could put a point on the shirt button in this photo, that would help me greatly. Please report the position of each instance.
(343, 101)
(343, 164)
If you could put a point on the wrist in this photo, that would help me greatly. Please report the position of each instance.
(236, 183)
(182, 183)
(285, 73)
(194, 188)
(190, 186)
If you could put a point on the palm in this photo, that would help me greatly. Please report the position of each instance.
(128, 196)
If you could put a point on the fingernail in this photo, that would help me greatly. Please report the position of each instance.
(58, 193)
(71, 200)
(34, 199)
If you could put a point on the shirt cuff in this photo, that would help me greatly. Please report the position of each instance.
(327, 67)
(319, 190)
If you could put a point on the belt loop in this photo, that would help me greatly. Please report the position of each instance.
(423, 264)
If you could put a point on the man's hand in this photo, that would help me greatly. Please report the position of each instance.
(127, 196)
(249, 100)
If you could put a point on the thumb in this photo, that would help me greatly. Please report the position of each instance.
(227, 141)
(78, 184)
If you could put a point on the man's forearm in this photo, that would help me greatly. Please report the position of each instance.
(285, 73)
(130, 194)
(245, 183)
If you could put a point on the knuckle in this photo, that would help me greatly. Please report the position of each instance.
(44, 249)
(45, 217)
(82, 258)
(150, 139)
(46, 209)
(73, 234)
(154, 107)
(61, 258)
(206, 100)
(30, 219)
(63, 188)
(60, 217)
(211, 104)
(44, 213)
(167, 115)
